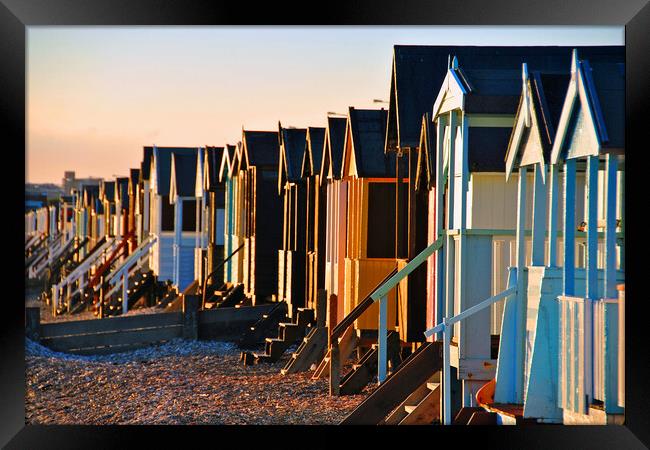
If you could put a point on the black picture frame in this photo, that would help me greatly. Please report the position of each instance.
(16, 15)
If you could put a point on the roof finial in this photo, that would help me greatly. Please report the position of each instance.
(524, 93)
(454, 63)
(448, 61)
(574, 61)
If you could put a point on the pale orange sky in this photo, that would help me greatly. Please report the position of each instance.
(96, 95)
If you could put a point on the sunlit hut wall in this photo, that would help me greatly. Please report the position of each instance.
(262, 218)
(182, 195)
(336, 213)
(591, 137)
(316, 215)
(162, 211)
(293, 190)
(213, 218)
(367, 176)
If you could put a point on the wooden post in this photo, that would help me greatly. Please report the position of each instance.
(33, 323)
(439, 208)
(335, 374)
(332, 309)
(520, 302)
(125, 293)
(552, 219)
(321, 308)
(190, 317)
(446, 372)
(382, 340)
(592, 273)
(539, 216)
(569, 226)
(610, 227)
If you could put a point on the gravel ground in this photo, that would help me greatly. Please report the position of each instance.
(181, 382)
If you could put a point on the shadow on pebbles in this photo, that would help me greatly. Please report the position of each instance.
(179, 382)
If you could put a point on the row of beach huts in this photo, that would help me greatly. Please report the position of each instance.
(464, 248)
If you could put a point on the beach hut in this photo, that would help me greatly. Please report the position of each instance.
(368, 178)
(335, 212)
(133, 219)
(316, 214)
(162, 211)
(591, 138)
(182, 195)
(211, 191)
(232, 212)
(261, 217)
(292, 189)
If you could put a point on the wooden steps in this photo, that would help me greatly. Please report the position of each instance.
(309, 352)
(263, 327)
(415, 371)
(410, 404)
(347, 344)
(365, 370)
(288, 334)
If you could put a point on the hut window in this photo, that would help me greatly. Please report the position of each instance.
(381, 220)
(189, 215)
(167, 214)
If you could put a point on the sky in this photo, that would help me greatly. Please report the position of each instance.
(97, 95)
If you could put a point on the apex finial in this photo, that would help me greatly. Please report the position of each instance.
(454, 63)
(574, 61)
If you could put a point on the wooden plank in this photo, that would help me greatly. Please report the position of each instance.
(224, 315)
(426, 411)
(114, 338)
(109, 324)
(410, 375)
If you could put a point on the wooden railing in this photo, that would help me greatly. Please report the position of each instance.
(380, 294)
(214, 272)
(446, 327)
(358, 310)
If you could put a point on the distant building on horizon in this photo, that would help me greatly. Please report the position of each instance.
(70, 181)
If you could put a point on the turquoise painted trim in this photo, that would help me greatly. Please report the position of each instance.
(552, 219)
(505, 391)
(610, 227)
(382, 340)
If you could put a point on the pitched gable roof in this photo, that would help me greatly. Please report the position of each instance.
(536, 120)
(424, 178)
(259, 148)
(107, 190)
(333, 148)
(595, 96)
(364, 149)
(162, 161)
(292, 146)
(225, 165)
(313, 154)
(212, 167)
(418, 72)
(122, 191)
(182, 176)
(134, 179)
(145, 165)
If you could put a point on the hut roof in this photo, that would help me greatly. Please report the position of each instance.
(313, 154)
(600, 88)
(418, 72)
(367, 129)
(292, 146)
(123, 191)
(182, 176)
(259, 148)
(145, 166)
(162, 161)
(225, 165)
(134, 179)
(107, 190)
(333, 148)
(211, 167)
(426, 164)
